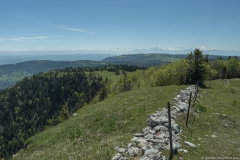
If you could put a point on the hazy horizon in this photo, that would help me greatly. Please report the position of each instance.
(118, 51)
(69, 55)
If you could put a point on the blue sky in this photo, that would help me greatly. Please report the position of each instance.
(120, 25)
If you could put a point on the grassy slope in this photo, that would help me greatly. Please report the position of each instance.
(11, 78)
(111, 75)
(98, 128)
(222, 104)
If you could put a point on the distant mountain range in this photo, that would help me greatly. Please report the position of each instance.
(97, 54)
(12, 59)
(11, 73)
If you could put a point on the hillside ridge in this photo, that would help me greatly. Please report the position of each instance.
(11, 73)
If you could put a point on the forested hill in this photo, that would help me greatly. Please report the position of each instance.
(146, 60)
(37, 66)
(42, 100)
(151, 59)
(11, 73)
(46, 99)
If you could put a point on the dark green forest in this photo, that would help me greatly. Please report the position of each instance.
(46, 99)
(42, 100)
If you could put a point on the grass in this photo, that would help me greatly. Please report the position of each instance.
(110, 75)
(8, 79)
(14, 76)
(220, 116)
(98, 128)
(11, 78)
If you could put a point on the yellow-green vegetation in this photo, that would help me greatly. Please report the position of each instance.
(216, 131)
(110, 75)
(145, 59)
(7, 79)
(14, 76)
(186, 72)
(97, 128)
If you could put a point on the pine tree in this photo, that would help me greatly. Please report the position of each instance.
(197, 67)
(117, 71)
(103, 92)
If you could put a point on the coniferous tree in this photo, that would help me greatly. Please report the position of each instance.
(103, 92)
(41, 100)
(126, 83)
(197, 67)
(190, 69)
(117, 71)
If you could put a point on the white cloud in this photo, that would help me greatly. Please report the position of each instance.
(174, 26)
(203, 48)
(163, 49)
(24, 38)
(77, 30)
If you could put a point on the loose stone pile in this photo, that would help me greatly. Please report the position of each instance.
(148, 144)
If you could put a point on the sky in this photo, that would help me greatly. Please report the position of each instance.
(120, 26)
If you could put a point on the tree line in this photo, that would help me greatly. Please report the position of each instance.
(115, 68)
(195, 67)
(42, 100)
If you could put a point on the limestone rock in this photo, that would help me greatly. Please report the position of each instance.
(158, 120)
(144, 158)
(148, 130)
(139, 140)
(183, 150)
(149, 136)
(160, 128)
(190, 144)
(130, 145)
(151, 153)
(175, 146)
(133, 151)
(176, 128)
(155, 138)
(117, 157)
(121, 150)
(139, 135)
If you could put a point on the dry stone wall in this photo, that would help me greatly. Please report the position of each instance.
(149, 144)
